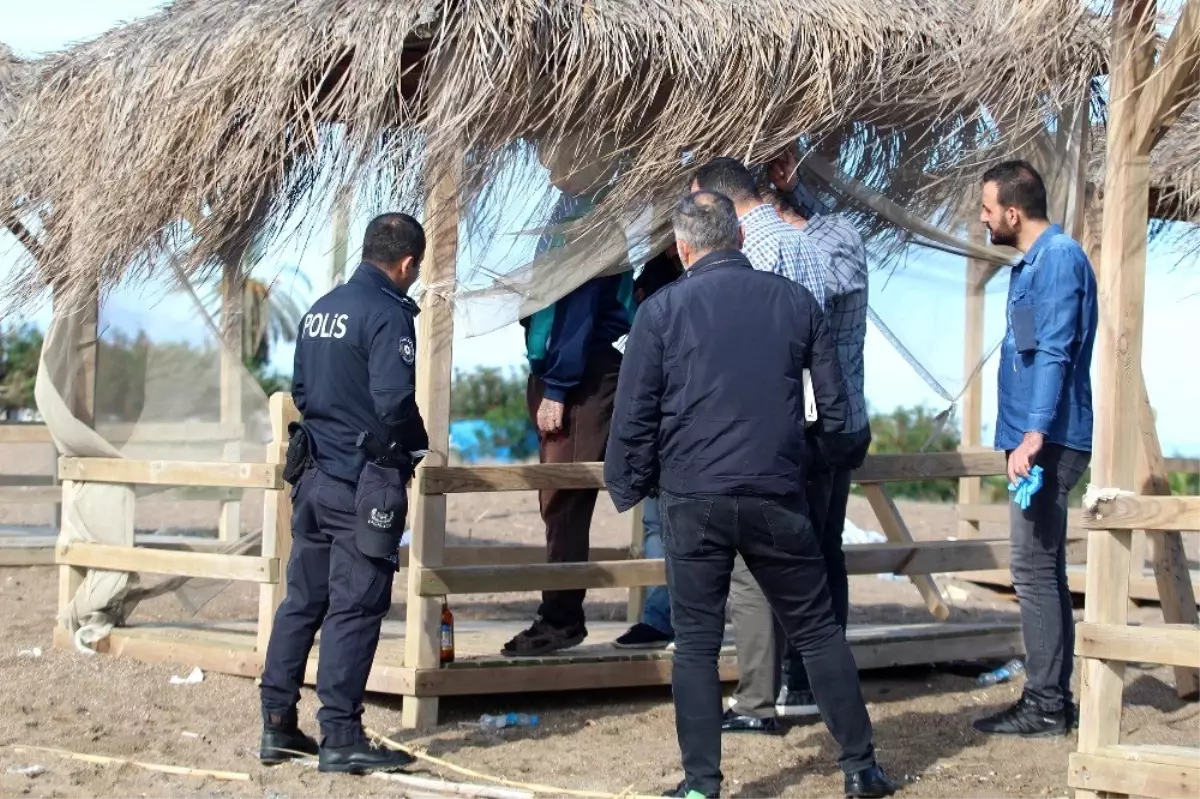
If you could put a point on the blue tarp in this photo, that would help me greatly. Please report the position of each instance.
(471, 438)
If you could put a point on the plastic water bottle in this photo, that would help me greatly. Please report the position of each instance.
(507, 720)
(1011, 669)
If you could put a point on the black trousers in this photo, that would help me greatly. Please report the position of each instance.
(701, 535)
(334, 588)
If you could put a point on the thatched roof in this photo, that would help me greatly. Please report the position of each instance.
(15, 75)
(218, 111)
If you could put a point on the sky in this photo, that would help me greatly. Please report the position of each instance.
(921, 302)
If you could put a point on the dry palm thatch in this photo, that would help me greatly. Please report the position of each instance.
(16, 80)
(220, 112)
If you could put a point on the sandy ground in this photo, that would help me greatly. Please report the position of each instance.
(605, 741)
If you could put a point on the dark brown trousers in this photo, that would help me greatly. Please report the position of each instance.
(584, 437)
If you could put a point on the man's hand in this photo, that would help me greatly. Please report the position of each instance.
(1022, 458)
(782, 170)
(550, 417)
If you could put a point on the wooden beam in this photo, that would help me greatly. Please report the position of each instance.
(919, 557)
(1161, 644)
(1137, 771)
(1146, 513)
(171, 473)
(1174, 82)
(969, 488)
(1181, 465)
(435, 353)
(233, 327)
(1122, 283)
(164, 561)
(897, 532)
(1002, 514)
(537, 476)
(277, 520)
(513, 556)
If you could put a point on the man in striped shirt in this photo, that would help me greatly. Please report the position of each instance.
(771, 245)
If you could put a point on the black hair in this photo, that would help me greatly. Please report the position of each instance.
(1018, 185)
(391, 237)
(659, 271)
(728, 176)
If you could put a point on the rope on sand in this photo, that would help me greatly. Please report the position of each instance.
(533, 787)
(104, 760)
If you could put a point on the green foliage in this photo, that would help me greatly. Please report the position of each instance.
(20, 348)
(496, 396)
(907, 430)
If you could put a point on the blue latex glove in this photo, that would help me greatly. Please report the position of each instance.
(1024, 490)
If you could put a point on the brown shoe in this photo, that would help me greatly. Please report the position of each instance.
(543, 638)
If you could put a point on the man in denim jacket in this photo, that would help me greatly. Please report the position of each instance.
(1044, 418)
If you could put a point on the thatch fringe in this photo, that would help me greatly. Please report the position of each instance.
(218, 111)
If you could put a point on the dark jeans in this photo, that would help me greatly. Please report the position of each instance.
(334, 588)
(1039, 575)
(701, 535)
(828, 496)
(567, 513)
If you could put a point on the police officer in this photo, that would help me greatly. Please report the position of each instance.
(349, 462)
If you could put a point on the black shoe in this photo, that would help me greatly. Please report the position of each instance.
(362, 758)
(870, 782)
(794, 704)
(542, 638)
(282, 743)
(682, 791)
(1026, 720)
(643, 636)
(733, 721)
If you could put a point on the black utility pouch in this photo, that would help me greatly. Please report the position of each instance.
(297, 458)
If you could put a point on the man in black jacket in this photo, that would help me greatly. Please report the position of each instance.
(709, 414)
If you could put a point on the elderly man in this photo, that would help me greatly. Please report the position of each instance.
(1044, 419)
(709, 414)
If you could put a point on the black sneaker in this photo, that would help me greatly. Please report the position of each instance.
(682, 791)
(362, 758)
(543, 638)
(643, 636)
(793, 704)
(281, 743)
(1026, 720)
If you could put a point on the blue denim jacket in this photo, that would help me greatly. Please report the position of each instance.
(1045, 380)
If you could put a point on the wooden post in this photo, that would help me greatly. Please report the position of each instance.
(897, 532)
(233, 320)
(435, 340)
(1119, 347)
(978, 273)
(277, 520)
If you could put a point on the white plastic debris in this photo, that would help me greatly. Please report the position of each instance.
(853, 534)
(27, 771)
(34, 653)
(195, 677)
(955, 594)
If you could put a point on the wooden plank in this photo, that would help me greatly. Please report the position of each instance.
(538, 476)
(277, 520)
(1001, 514)
(1173, 84)
(637, 537)
(173, 473)
(30, 495)
(18, 433)
(1182, 465)
(1105, 774)
(163, 561)
(972, 400)
(1162, 754)
(512, 556)
(1146, 513)
(920, 557)
(12, 557)
(435, 354)
(1166, 645)
(897, 532)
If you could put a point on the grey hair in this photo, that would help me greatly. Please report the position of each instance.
(707, 221)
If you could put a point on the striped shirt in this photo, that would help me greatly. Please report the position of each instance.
(845, 305)
(773, 245)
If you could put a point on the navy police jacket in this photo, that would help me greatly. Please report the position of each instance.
(354, 372)
(710, 399)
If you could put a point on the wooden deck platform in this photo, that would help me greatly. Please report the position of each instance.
(229, 647)
(1143, 589)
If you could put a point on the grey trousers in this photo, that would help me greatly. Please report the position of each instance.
(1039, 575)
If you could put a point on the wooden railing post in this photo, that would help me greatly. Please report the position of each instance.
(277, 520)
